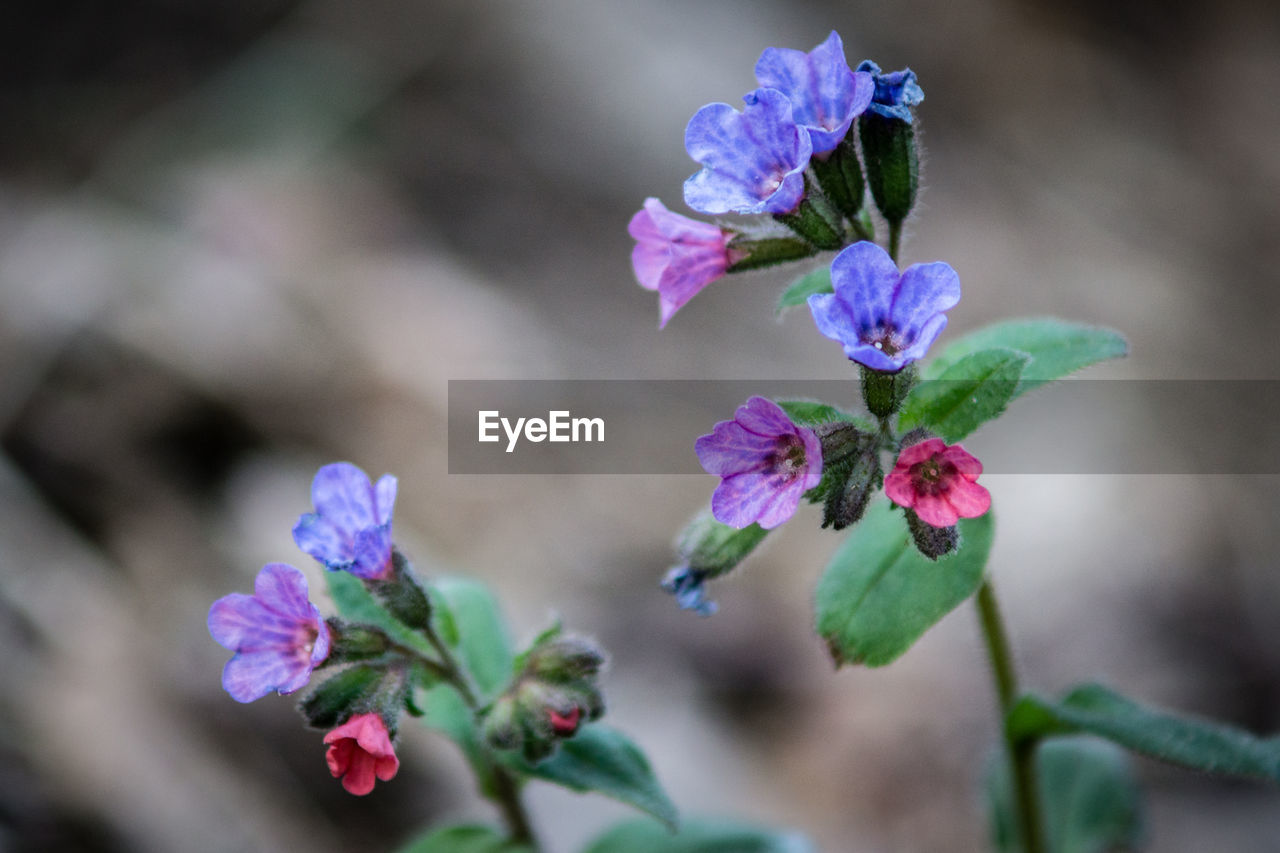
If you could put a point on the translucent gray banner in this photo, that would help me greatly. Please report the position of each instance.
(1065, 427)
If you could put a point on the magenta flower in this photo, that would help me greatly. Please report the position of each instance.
(675, 255)
(277, 634)
(351, 528)
(766, 462)
(938, 482)
(826, 96)
(752, 161)
(359, 750)
(884, 319)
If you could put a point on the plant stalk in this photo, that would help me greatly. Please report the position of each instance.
(1022, 755)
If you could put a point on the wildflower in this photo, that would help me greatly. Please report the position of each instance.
(359, 750)
(351, 527)
(938, 482)
(564, 725)
(766, 462)
(825, 95)
(884, 319)
(896, 92)
(675, 255)
(753, 161)
(277, 634)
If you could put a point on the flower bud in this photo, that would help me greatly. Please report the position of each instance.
(815, 220)
(402, 595)
(351, 642)
(888, 138)
(851, 475)
(884, 392)
(342, 696)
(840, 176)
(933, 542)
(565, 659)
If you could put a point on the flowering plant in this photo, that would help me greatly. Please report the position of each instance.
(911, 559)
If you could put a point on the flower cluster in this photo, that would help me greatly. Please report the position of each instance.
(279, 639)
(789, 153)
(804, 149)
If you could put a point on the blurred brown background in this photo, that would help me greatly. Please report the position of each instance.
(242, 239)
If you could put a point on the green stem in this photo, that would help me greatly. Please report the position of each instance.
(506, 787)
(1022, 755)
(895, 239)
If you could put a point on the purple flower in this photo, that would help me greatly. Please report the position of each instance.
(277, 634)
(753, 161)
(884, 320)
(688, 586)
(896, 92)
(766, 463)
(825, 95)
(675, 255)
(351, 527)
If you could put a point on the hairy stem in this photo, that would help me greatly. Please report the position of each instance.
(506, 787)
(1021, 755)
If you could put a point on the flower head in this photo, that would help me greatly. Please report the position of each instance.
(359, 750)
(277, 634)
(884, 319)
(675, 255)
(564, 725)
(938, 482)
(689, 587)
(825, 95)
(752, 161)
(766, 462)
(896, 92)
(351, 527)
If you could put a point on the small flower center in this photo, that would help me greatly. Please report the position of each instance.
(887, 341)
(933, 476)
(788, 461)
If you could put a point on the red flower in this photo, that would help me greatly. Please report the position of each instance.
(564, 725)
(938, 482)
(359, 750)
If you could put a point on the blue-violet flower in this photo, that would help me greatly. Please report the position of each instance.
(277, 634)
(675, 255)
(753, 161)
(826, 96)
(689, 587)
(766, 462)
(896, 92)
(884, 320)
(351, 527)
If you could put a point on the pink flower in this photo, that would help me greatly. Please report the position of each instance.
(938, 482)
(359, 750)
(675, 255)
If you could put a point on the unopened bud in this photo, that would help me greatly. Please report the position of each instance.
(933, 542)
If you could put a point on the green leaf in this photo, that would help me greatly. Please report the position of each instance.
(1189, 741)
(879, 594)
(815, 281)
(467, 838)
(703, 835)
(1090, 798)
(1057, 348)
(357, 604)
(972, 391)
(604, 760)
(483, 642)
(812, 413)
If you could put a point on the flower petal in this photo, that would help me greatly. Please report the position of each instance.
(864, 278)
(384, 498)
(253, 674)
(966, 463)
(283, 588)
(343, 495)
(924, 291)
(914, 454)
(729, 449)
(968, 499)
(935, 510)
(317, 537)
